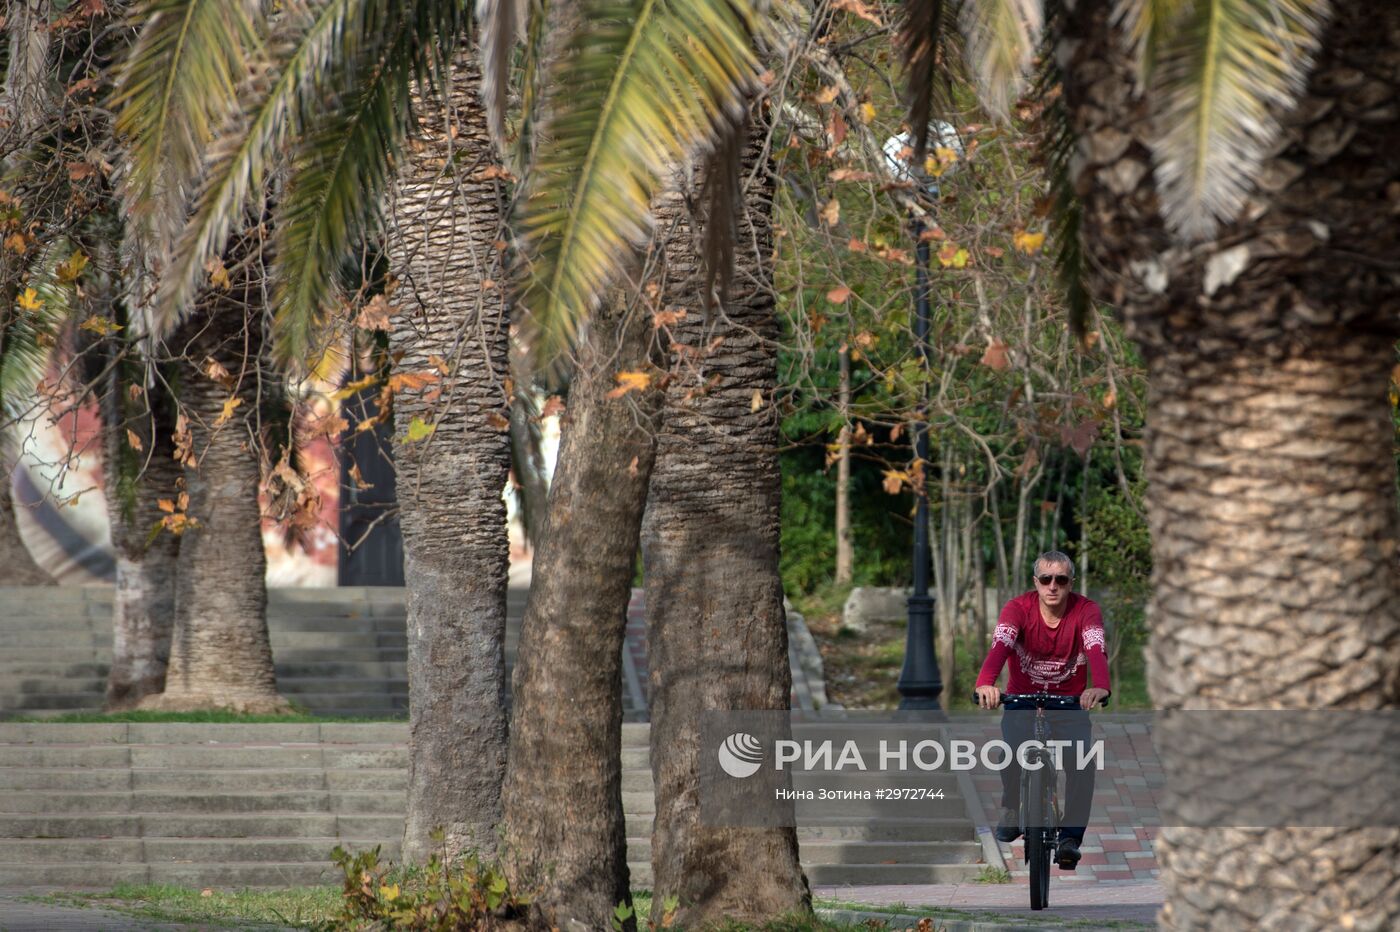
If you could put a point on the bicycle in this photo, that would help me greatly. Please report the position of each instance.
(1040, 801)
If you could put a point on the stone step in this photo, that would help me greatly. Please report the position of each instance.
(59, 669)
(192, 850)
(55, 704)
(49, 686)
(282, 641)
(890, 874)
(346, 669)
(294, 823)
(18, 737)
(325, 686)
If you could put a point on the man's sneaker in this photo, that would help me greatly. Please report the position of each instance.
(1009, 828)
(1067, 854)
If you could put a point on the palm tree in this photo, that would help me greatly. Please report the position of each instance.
(566, 734)
(710, 553)
(1235, 163)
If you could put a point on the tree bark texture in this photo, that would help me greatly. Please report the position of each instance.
(566, 841)
(1271, 468)
(220, 655)
(845, 554)
(717, 635)
(143, 610)
(446, 223)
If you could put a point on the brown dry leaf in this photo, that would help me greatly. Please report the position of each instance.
(216, 372)
(226, 414)
(134, 392)
(218, 275)
(629, 381)
(411, 381)
(894, 480)
(1110, 399)
(850, 174)
(498, 421)
(997, 356)
(860, 435)
(182, 501)
(632, 468)
(375, 315)
(16, 243)
(667, 318)
(856, 245)
(358, 479)
(826, 95)
(332, 425)
(838, 295)
(895, 431)
(552, 405)
(756, 401)
(440, 364)
(133, 440)
(831, 213)
(166, 505)
(856, 8)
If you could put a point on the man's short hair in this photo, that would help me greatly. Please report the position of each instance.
(1052, 556)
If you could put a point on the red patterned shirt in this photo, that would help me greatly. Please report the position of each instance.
(1044, 659)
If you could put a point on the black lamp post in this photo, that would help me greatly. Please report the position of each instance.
(920, 682)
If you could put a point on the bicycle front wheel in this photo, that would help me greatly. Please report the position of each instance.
(1039, 838)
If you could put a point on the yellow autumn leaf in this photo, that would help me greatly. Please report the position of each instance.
(418, 429)
(30, 300)
(1028, 243)
(71, 269)
(99, 325)
(826, 95)
(867, 112)
(952, 256)
(226, 414)
(351, 388)
(894, 480)
(16, 242)
(629, 381)
(390, 893)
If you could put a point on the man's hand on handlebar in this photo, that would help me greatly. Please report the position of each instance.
(988, 697)
(1092, 697)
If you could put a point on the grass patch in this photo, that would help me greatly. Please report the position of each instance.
(217, 717)
(297, 907)
(990, 874)
(316, 908)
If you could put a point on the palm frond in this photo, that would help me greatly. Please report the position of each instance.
(537, 21)
(499, 22)
(340, 174)
(177, 86)
(342, 167)
(1222, 72)
(274, 105)
(1001, 39)
(28, 333)
(642, 86)
(1143, 22)
(922, 38)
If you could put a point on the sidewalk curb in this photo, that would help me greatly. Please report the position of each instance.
(906, 920)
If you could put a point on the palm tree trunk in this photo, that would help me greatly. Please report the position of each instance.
(1270, 462)
(220, 655)
(143, 611)
(442, 248)
(565, 833)
(710, 550)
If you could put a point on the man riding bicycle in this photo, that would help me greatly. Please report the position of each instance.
(1056, 638)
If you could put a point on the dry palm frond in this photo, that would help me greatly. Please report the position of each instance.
(1222, 71)
(642, 86)
(1001, 39)
(178, 85)
(30, 326)
(499, 23)
(923, 42)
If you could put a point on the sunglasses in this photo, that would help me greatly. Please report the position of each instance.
(1059, 580)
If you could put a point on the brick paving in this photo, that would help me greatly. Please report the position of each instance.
(1070, 898)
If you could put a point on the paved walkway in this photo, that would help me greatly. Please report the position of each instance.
(1102, 901)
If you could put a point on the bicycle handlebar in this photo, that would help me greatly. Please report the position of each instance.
(1039, 700)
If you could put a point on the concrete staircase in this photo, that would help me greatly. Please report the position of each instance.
(91, 805)
(338, 652)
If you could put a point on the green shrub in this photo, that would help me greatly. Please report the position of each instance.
(468, 894)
